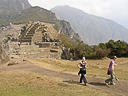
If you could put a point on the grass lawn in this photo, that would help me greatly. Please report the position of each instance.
(25, 83)
(67, 66)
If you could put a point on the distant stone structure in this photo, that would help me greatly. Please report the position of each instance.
(3, 56)
(37, 32)
(38, 40)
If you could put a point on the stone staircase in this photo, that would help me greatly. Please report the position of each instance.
(37, 37)
(24, 31)
(38, 41)
(35, 33)
(27, 35)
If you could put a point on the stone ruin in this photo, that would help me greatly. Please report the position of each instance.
(38, 33)
(3, 56)
(37, 38)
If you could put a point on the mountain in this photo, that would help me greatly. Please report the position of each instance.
(10, 9)
(92, 29)
(40, 14)
(36, 14)
(20, 12)
(66, 28)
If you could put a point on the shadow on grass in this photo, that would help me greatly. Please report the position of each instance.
(74, 82)
(97, 83)
(71, 82)
(91, 83)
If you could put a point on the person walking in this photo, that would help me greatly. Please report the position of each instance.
(82, 65)
(19, 44)
(111, 71)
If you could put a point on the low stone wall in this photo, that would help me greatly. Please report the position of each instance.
(44, 45)
(53, 45)
(33, 51)
(51, 55)
(3, 56)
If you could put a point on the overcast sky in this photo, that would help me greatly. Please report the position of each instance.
(116, 10)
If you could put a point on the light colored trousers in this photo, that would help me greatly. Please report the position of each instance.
(111, 79)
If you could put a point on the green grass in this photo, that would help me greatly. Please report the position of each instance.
(24, 83)
(92, 69)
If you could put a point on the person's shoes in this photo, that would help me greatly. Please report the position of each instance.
(112, 83)
(106, 83)
(85, 84)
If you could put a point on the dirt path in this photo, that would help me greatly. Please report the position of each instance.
(121, 86)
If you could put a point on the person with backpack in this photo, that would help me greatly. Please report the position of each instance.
(111, 71)
(82, 65)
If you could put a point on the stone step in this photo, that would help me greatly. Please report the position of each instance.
(30, 35)
(32, 32)
(25, 40)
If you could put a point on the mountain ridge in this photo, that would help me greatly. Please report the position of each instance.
(92, 29)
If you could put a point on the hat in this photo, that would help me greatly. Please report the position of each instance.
(114, 57)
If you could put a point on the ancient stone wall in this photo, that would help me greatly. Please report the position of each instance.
(3, 56)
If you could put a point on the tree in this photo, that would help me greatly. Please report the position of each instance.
(102, 45)
(112, 46)
(121, 48)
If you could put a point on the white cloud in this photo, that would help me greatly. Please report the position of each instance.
(116, 10)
